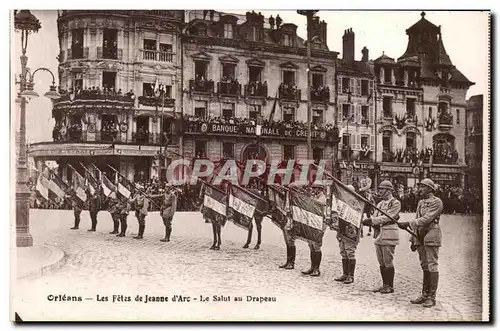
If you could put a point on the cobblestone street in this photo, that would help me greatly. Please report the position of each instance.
(99, 264)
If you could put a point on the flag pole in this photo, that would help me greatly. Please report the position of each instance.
(363, 199)
(135, 186)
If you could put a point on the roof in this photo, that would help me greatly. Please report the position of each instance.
(356, 67)
(422, 24)
(384, 59)
(475, 101)
(443, 58)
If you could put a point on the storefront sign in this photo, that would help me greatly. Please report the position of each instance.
(447, 177)
(249, 130)
(446, 170)
(395, 168)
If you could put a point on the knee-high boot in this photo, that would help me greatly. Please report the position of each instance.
(317, 263)
(432, 288)
(141, 231)
(345, 271)
(425, 289)
(350, 276)
(311, 269)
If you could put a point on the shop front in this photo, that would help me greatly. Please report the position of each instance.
(352, 172)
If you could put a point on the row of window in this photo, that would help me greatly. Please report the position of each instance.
(228, 150)
(254, 74)
(151, 47)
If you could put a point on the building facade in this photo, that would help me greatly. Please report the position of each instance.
(474, 141)
(120, 80)
(356, 112)
(237, 69)
(420, 111)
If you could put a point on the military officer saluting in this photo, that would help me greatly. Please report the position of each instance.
(428, 240)
(386, 234)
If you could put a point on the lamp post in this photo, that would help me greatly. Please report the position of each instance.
(309, 15)
(26, 23)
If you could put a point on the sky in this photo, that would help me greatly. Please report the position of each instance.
(465, 36)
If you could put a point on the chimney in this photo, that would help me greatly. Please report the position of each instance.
(365, 57)
(348, 45)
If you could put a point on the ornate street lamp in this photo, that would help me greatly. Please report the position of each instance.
(25, 23)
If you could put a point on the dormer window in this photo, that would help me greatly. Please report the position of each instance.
(254, 33)
(228, 31)
(287, 39)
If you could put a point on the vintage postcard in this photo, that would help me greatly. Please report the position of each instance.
(253, 165)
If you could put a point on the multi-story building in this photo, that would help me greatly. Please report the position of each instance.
(235, 67)
(420, 111)
(356, 111)
(120, 76)
(474, 141)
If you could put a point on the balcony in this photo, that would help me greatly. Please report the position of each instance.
(109, 135)
(156, 101)
(229, 88)
(289, 93)
(346, 152)
(387, 113)
(201, 86)
(320, 94)
(387, 156)
(256, 90)
(110, 53)
(152, 55)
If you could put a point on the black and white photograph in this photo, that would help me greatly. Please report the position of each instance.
(249, 165)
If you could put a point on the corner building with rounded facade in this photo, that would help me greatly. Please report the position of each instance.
(112, 67)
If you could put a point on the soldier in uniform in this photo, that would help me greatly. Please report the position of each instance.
(94, 207)
(428, 240)
(77, 205)
(317, 192)
(348, 254)
(167, 209)
(114, 210)
(123, 208)
(141, 204)
(386, 234)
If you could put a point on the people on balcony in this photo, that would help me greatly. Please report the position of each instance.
(320, 93)
(109, 130)
(257, 88)
(365, 152)
(229, 86)
(288, 91)
(194, 120)
(200, 84)
(75, 132)
(95, 93)
(142, 134)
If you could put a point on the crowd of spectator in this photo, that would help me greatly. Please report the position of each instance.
(288, 91)
(257, 88)
(438, 155)
(229, 85)
(320, 93)
(93, 93)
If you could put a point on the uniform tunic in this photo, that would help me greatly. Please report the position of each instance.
(426, 226)
(387, 237)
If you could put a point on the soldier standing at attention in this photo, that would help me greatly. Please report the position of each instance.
(77, 205)
(386, 234)
(123, 207)
(167, 209)
(317, 192)
(141, 204)
(428, 240)
(114, 210)
(94, 207)
(348, 253)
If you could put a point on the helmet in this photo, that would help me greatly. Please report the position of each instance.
(385, 184)
(351, 187)
(429, 183)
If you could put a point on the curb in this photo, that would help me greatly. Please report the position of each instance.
(57, 260)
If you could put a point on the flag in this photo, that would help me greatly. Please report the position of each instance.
(214, 203)
(107, 185)
(125, 187)
(278, 201)
(349, 209)
(56, 185)
(273, 110)
(79, 186)
(307, 217)
(369, 97)
(242, 206)
(42, 186)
